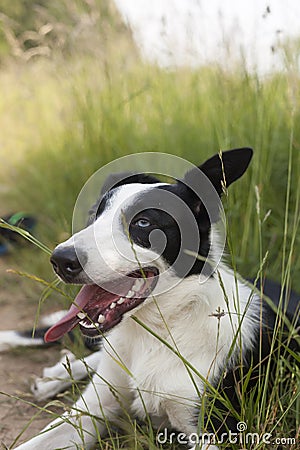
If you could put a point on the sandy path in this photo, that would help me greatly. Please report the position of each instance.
(18, 366)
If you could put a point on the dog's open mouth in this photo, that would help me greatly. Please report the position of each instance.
(97, 309)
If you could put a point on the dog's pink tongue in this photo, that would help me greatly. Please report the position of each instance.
(70, 320)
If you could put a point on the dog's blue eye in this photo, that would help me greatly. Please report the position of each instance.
(143, 223)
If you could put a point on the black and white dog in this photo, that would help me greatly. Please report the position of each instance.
(176, 322)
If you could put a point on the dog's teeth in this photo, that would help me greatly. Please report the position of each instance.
(121, 300)
(137, 284)
(88, 325)
(101, 318)
(113, 305)
(81, 315)
(130, 294)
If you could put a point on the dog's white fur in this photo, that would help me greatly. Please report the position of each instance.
(63, 374)
(136, 372)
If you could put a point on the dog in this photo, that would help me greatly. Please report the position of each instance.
(175, 322)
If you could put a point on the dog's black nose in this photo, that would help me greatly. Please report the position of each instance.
(66, 263)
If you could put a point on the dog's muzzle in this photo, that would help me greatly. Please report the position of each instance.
(66, 263)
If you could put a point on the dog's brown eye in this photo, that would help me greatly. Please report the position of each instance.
(143, 223)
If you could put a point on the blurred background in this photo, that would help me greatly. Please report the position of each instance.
(85, 81)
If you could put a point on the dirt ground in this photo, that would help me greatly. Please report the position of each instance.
(17, 367)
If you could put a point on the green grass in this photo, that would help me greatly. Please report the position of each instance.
(64, 118)
(73, 124)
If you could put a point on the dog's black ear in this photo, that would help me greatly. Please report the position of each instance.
(118, 179)
(222, 169)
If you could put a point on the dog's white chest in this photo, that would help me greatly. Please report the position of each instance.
(159, 380)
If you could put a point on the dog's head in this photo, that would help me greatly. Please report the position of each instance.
(142, 235)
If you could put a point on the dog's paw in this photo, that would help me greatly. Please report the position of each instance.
(45, 388)
(55, 379)
(63, 374)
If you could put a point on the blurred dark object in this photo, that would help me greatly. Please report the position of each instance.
(9, 238)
